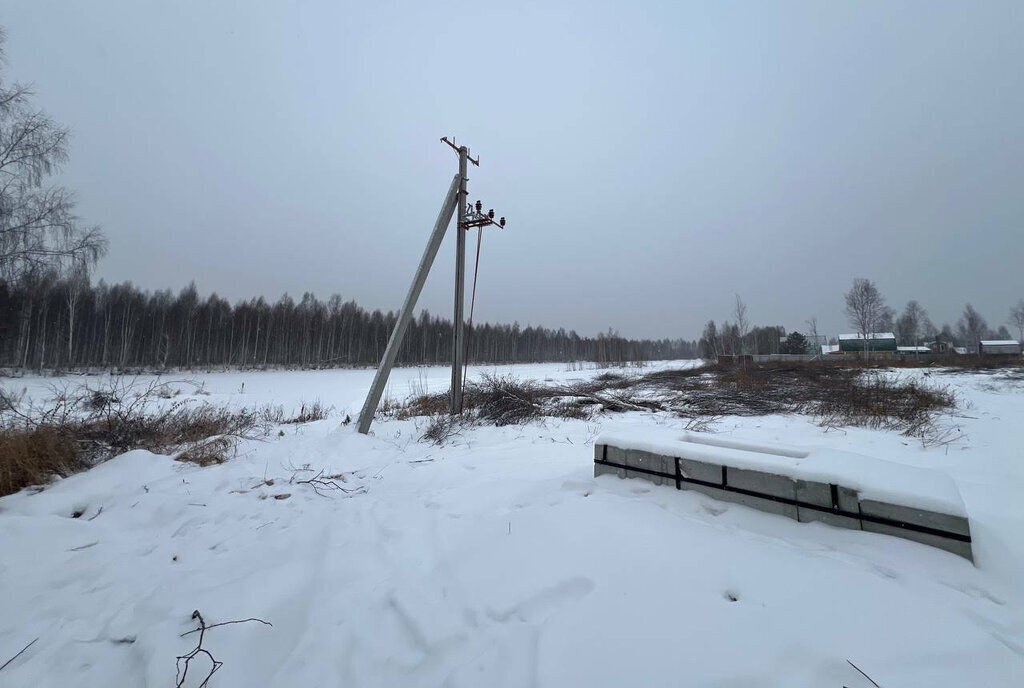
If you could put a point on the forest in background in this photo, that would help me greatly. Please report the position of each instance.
(54, 322)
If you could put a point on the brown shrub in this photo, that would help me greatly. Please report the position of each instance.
(834, 394)
(33, 456)
(78, 428)
(208, 452)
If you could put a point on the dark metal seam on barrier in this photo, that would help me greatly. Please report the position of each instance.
(679, 474)
(881, 520)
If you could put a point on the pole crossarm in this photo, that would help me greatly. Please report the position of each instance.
(475, 217)
(455, 147)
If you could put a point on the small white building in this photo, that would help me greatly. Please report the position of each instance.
(1003, 347)
(912, 350)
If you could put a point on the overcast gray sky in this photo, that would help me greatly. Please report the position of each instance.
(652, 158)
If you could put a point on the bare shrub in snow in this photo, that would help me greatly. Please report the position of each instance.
(504, 400)
(309, 413)
(31, 457)
(442, 427)
(78, 427)
(836, 395)
(207, 452)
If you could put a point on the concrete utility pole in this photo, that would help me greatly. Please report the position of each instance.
(380, 380)
(459, 338)
(456, 199)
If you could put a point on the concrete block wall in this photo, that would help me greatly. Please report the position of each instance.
(801, 500)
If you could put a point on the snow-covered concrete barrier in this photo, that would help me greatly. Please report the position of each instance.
(806, 484)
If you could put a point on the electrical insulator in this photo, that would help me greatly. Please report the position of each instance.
(490, 213)
(479, 205)
(502, 222)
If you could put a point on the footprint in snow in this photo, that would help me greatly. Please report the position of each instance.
(538, 607)
(885, 572)
(714, 510)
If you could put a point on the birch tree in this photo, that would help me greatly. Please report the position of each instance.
(1017, 319)
(865, 309)
(38, 226)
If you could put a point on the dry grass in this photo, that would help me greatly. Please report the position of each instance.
(442, 428)
(30, 457)
(208, 452)
(79, 427)
(835, 395)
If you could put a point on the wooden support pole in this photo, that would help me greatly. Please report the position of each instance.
(380, 380)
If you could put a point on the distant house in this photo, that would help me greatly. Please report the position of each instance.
(877, 341)
(815, 341)
(941, 347)
(829, 349)
(912, 350)
(812, 342)
(1004, 347)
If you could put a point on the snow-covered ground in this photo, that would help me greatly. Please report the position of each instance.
(498, 560)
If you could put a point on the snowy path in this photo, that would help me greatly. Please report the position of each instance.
(500, 561)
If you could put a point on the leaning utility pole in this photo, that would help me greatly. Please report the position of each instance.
(456, 199)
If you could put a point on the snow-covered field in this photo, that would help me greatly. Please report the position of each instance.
(498, 560)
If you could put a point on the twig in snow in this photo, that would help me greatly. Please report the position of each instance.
(17, 655)
(224, 623)
(100, 511)
(181, 669)
(863, 674)
(81, 547)
(321, 483)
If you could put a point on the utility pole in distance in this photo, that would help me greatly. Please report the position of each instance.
(455, 200)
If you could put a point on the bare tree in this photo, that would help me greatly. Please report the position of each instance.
(38, 227)
(812, 330)
(865, 309)
(78, 282)
(742, 324)
(972, 328)
(709, 341)
(913, 324)
(1017, 319)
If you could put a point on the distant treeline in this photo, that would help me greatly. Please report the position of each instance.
(52, 322)
(727, 340)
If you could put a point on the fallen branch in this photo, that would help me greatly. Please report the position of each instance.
(224, 623)
(181, 669)
(17, 655)
(326, 483)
